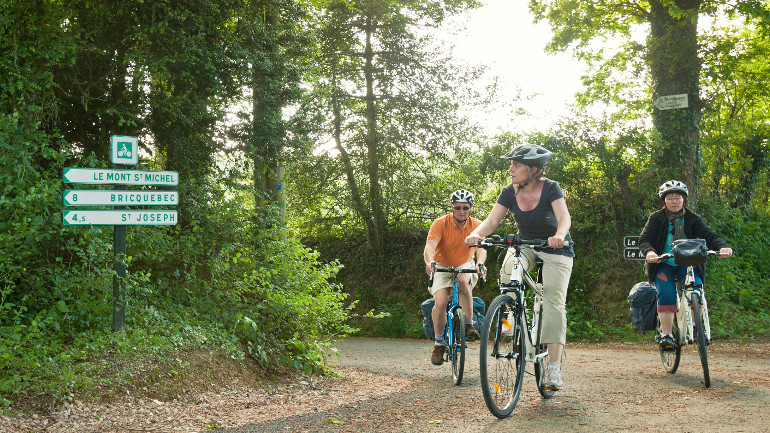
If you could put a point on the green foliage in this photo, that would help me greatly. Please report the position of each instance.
(220, 285)
(73, 74)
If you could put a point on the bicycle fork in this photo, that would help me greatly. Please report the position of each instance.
(684, 319)
(704, 313)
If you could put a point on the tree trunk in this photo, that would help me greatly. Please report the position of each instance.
(377, 237)
(266, 136)
(358, 203)
(675, 69)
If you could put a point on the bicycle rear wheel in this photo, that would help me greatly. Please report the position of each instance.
(700, 336)
(457, 349)
(670, 358)
(501, 358)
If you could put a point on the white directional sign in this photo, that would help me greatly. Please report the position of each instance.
(91, 197)
(108, 176)
(119, 217)
(669, 102)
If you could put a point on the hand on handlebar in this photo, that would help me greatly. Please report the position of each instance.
(482, 271)
(430, 268)
(473, 240)
(651, 257)
(725, 252)
(556, 242)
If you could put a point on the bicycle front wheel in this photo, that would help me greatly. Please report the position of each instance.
(670, 358)
(457, 349)
(501, 358)
(700, 336)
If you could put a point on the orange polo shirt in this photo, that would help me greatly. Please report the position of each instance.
(451, 249)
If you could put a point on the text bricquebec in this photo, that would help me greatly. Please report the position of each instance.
(144, 197)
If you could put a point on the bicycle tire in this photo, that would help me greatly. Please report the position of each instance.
(457, 350)
(700, 336)
(670, 358)
(541, 362)
(501, 357)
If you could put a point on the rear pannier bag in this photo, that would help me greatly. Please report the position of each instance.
(642, 302)
(479, 309)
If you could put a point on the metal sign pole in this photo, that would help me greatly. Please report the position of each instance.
(119, 278)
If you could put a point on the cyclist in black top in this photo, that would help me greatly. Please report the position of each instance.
(540, 212)
(673, 221)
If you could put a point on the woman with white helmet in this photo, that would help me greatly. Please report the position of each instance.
(673, 221)
(540, 212)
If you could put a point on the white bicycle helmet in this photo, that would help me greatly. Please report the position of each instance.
(462, 196)
(673, 186)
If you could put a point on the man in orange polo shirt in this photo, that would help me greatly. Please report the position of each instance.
(445, 246)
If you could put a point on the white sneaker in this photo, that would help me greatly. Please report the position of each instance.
(555, 381)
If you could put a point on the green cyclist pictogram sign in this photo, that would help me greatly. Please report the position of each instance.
(123, 150)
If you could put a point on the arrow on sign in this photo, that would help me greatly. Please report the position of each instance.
(671, 101)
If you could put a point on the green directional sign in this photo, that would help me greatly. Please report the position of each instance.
(119, 217)
(123, 150)
(74, 197)
(108, 176)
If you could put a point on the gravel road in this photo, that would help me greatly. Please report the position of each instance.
(609, 387)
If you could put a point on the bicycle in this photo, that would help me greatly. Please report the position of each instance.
(454, 331)
(510, 336)
(689, 327)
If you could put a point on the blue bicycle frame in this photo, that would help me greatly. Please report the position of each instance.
(454, 331)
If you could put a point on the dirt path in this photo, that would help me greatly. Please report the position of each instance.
(390, 386)
(609, 388)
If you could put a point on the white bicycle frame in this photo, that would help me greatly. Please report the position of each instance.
(684, 313)
(518, 277)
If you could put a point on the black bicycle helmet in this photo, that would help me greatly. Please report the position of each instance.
(462, 196)
(530, 154)
(673, 186)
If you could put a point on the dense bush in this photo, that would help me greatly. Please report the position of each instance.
(217, 281)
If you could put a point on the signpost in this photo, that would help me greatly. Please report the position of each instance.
(669, 102)
(631, 249)
(123, 152)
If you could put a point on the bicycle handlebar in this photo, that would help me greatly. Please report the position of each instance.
(667, 256)
(512, 241)
(434, 269)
